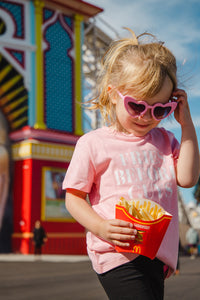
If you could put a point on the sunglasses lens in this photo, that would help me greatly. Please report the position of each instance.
(161, 112)
(135, 109)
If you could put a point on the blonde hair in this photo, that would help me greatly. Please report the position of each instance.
(136, 67)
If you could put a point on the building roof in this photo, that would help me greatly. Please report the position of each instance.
(72, 7)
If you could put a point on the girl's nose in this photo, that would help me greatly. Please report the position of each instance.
(147, 116)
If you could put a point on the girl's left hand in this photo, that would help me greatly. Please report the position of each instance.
(182, 112)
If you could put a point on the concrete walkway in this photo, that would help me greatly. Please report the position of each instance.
(66, 277)
(47, 258)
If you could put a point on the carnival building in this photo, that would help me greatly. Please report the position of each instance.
(41, 88)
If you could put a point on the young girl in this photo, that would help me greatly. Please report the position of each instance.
(134, 158)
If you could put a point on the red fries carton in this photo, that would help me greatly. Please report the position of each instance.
(151, 222)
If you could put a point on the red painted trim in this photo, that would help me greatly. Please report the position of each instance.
(44, 135)
(75, 246)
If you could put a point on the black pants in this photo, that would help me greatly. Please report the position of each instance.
(38, 249)
(140, 279)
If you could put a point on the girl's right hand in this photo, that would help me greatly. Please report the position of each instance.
(117, 232)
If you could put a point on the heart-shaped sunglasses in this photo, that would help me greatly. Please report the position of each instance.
(136, 108)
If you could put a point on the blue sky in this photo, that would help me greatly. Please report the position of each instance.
(175, 22)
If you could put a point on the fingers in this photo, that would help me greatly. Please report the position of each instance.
(120, 232)
(121, 244)
(121, 223)
(182, 112)
(178, 92)
(180, 95)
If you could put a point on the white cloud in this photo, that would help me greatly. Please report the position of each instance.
(172, 21)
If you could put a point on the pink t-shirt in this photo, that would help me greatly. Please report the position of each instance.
(107, 165)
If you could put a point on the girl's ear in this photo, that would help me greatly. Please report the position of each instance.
(112, 94)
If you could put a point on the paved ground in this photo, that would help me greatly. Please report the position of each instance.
(71, 277)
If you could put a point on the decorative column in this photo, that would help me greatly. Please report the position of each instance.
(39, 66)
(78, 75)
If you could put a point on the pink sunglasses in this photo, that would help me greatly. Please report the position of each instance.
(136, 108)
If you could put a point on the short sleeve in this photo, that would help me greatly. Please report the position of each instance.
(80, 173)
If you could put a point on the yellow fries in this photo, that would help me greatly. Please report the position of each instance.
(143, 211)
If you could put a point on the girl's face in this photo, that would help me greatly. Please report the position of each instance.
(140, 126)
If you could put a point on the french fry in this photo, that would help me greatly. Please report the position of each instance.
(146, 215)
(124, 203)
(160, 214)
(135, 212)
(142, 211)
